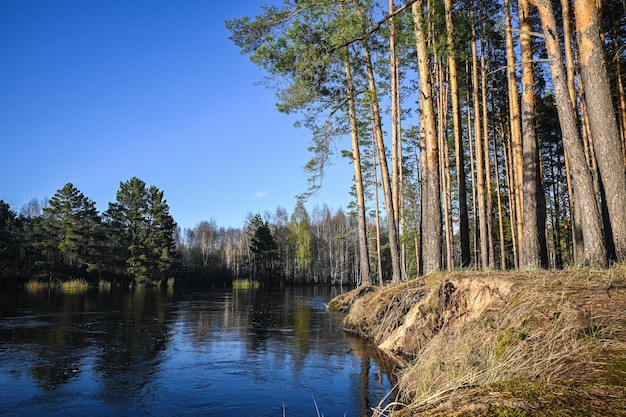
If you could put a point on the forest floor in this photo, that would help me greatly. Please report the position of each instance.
(541, 343)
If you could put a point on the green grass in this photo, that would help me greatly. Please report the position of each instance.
(245, 284)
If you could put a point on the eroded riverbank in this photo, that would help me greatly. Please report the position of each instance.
(501, 344)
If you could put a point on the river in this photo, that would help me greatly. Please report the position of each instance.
(154, 352)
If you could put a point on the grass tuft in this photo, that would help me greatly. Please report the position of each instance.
(246, 284)
(104, 285)
(35, 286)
(74, 286)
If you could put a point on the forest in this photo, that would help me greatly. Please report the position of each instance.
(493, 132)
(137, 242)
(483, 135)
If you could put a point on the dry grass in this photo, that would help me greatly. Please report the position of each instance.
(512, 344)
(74, 286)
(344, 302)
(35, 286)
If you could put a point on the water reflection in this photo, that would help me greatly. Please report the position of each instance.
(243, 352)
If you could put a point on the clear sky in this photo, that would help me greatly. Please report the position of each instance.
(96, 92)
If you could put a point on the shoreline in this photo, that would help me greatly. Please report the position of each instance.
(539, 343)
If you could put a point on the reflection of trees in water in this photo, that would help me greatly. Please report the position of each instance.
(54, 334)
(131, 347)
(295, 323)
(117, 339)
(82, 328)
(373, 390)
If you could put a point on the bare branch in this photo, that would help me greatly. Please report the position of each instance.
(527, 32)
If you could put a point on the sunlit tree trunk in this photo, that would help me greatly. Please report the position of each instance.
(602, 121)
(364, 262)
(595, 250)
(396, 134)
(379, 255)
(480, 161)
(578, 247)
(500, 210)
(394, 246)
(473, 178)
(508, 162)
(458, 140)
(444, 162)
(621, 88)
(431, 197)
(396, 143)
(516, 134)
(530, 255)
(487, 154)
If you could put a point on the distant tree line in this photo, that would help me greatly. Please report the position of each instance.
(321, 247)
(136, 241)
(133, 241)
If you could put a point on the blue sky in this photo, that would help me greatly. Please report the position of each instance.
(96, 92)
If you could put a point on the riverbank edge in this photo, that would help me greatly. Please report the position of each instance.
(468, 343)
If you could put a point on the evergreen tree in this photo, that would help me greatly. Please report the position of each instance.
(10, 228)
(263, 248)
(69, 227)
(160, 237)
(141, 232)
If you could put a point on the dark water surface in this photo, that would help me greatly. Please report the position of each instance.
(183, 353)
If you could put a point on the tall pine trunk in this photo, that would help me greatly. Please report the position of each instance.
(480, 161)
(500, 211)
(516, 133)
(602, 123)
(487, 153)
(577, 239)
(457, 128)
(394, 245)
(379, 255)
(593, 235)
(396, 134)
(364, 258)
(431, 197)
(444, 161)
(396, 143)
(533, 230)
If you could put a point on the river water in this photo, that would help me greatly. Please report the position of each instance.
(184, 353)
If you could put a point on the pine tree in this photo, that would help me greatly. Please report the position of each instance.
(263, 248)
(141, 233)
(10, 248)
(70, 226)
